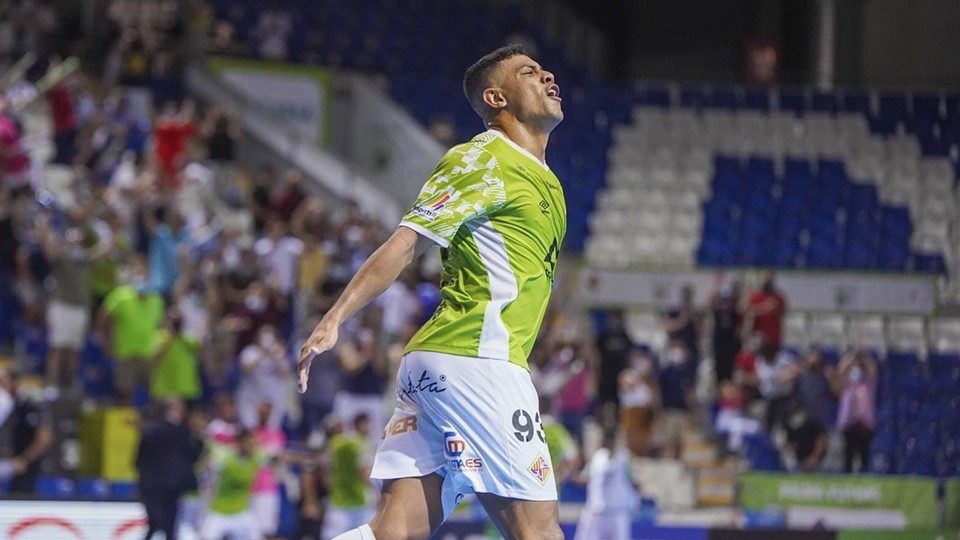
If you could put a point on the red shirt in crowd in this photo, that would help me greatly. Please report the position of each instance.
(172, 135)
(14, 163)
(768, 322)
(61, 109)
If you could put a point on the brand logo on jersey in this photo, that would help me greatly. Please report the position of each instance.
(400, 426)
(540, 469)
(454, 444)
(544, 206)
(454, 447)
(430, 209)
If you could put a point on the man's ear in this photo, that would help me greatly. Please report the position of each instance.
(494, 98)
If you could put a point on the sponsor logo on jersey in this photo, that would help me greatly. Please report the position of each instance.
(454, 447)
(430, 209)
(540, 469)
(401, 425)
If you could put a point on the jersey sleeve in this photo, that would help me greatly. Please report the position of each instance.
(466, 185)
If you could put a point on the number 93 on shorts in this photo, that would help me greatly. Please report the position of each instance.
(474, 420)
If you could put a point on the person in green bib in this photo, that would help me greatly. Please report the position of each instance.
(349, 468)
(175, 372)
(229, 513)
(131, 314)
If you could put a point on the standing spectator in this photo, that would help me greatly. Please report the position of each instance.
(172, 133)
(563, 449)
(767, 307)
(266, 377)
(727, 323)
(731, 424)
(289, 196)
(223, 429)
(279, 254)
(131, 314)
(314, 491)
(363, 381)
(68, 313)
(611, 495)
(812, 388)
(235, 473)
(683, 324)
(574, 383)
(349, 469)
(273, 32)
(639, 398)
(165, 460)
(260, 307)
(64, 123)
(168, 242)
(261, 194)
(614, 345)
(317, 402)
(857, 382)
(674, 413)
(175, 371)
(774, 379)
(222, 133)
(745, 368)
(14, 159)
(265, 500)
(25, 436)
(399, 308)
(807, 438)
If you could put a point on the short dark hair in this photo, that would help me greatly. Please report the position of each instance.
(475, 78)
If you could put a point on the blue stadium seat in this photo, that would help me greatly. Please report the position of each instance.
(794, 101)
(856, 102)
(93, 488)
(824, 102)
(55, 487)
(756, 99)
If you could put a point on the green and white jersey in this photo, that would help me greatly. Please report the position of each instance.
(499, 216)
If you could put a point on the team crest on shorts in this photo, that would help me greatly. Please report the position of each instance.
(540, 468)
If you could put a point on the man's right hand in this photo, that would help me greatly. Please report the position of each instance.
(322, 339)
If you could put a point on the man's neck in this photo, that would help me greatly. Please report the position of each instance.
(531, 139)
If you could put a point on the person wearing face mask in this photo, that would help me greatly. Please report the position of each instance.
(639, 398)
(257, 309)
(857, 381)
(175, 373)
(130, 315)
(807, 438)
(265, 377)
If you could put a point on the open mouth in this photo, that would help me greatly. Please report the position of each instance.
(554, 92)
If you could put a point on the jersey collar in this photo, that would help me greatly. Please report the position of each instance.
(518, 148)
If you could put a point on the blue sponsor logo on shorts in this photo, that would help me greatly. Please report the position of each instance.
(453, 445)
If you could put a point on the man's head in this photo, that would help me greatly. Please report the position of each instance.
(361, 424)
(225, 408)
(264, 410)
(246, 443)
(507, 81)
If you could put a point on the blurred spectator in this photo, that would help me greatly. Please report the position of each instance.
(273, 32)
(639, 399)
(14, 160)
(131, 315)
(265, 377)
(612, 497)
(613, 345)
(767, 306)
(674, 368)
(25, 435)
(683, 323)
(168, 246)
(173, 132)
(731, 422)
(265, 500)
(314, 491)
(222, 134)
(727, 327)
(774, 381)
(279, 253)
(288, 197)
(575, 393)
(745, 368)
(236, 471)
(64, 123)
(363, 381)
(807, 438)
(398, 307)
(175, 369)
(443, 130)
(68, 312)
(563, 449)
(350, 461)
(812, 387)
(263, 183)
(223, 429)
(258, 308)
(857, 385)
(165, 461)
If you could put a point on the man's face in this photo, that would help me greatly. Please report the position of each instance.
(529, 90)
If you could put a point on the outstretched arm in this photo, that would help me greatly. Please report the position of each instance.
(376, 274)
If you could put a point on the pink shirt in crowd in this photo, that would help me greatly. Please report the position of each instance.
(857, 403)
(270, 441)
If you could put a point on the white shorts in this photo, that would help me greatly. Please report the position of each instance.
(242, 526)
(265, 506)
(68, 325)
(337, 521)
(475, 421)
